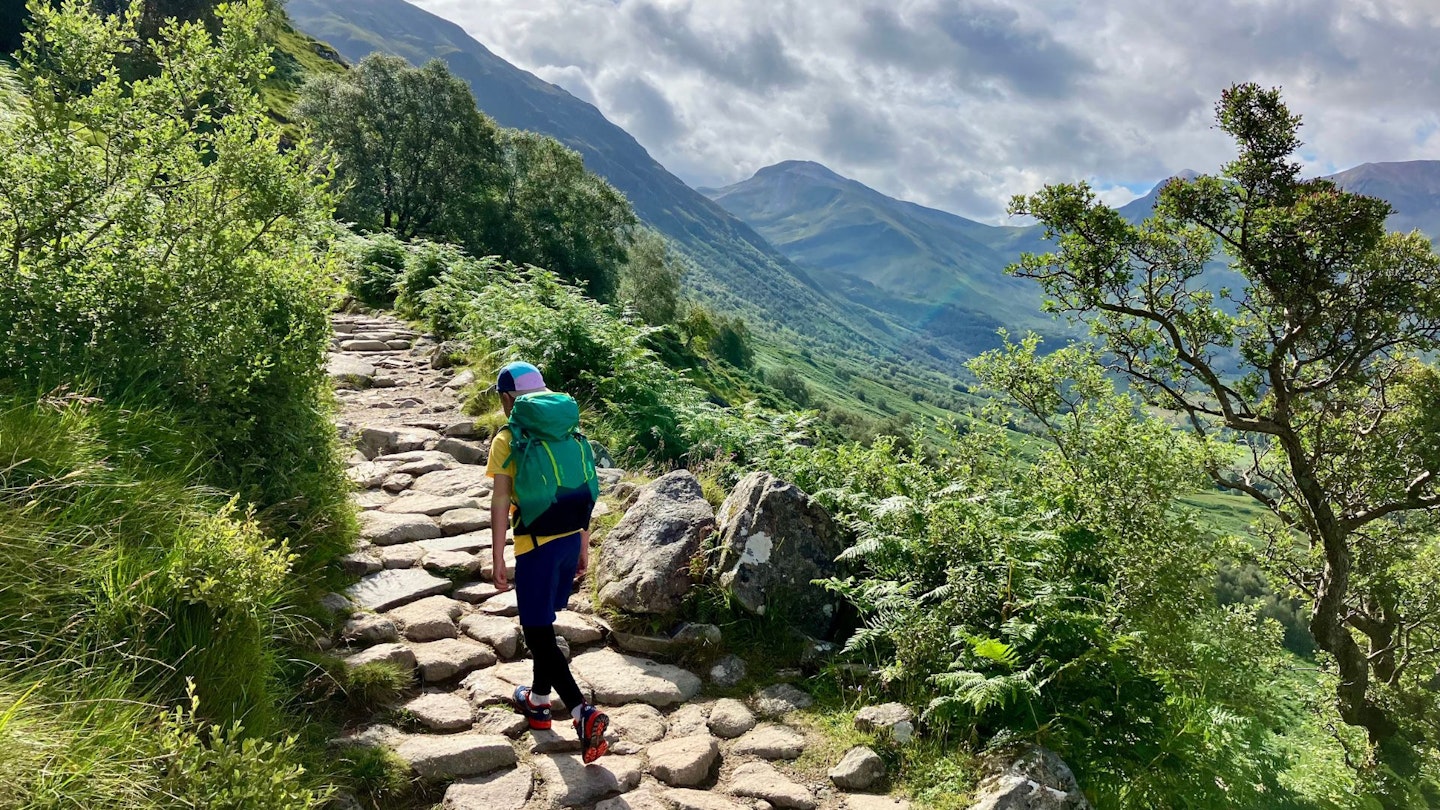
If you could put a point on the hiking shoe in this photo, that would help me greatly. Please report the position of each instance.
(537, 716)
(591, 727)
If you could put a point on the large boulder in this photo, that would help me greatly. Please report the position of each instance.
(645, 562)
(1027, 777)
(774, 541)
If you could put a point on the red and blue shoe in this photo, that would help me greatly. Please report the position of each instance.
(537, 716)
(591, 727)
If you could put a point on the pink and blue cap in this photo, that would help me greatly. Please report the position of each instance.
(519, 377)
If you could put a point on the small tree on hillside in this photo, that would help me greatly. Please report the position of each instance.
(415, 155)
(650, 279)
(1313, 368)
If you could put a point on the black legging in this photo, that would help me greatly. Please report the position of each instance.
(551, 668)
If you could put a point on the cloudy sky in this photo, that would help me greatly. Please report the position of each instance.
(960, 104)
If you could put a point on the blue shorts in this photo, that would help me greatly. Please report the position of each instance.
(544, 577)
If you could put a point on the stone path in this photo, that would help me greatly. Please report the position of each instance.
(423, 601)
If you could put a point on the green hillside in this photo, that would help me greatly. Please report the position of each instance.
(923, 266)
(734, 269)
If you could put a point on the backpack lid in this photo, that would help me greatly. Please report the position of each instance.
(546, 415)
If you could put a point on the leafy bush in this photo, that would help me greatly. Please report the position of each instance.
(375, 267)
(1064, 599)
(139, 289)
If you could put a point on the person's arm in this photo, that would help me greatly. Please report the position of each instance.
(499, 527)
(584, 554)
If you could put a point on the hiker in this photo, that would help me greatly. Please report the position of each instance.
(544, 473)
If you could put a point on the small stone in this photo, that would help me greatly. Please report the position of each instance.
(476, 592)
(424, 466)
(404, 555)
(398, 482)
(639, 723)
(771, 742)
(699, 636)
(388, 589)
(661, 646)
(730, 718)
(369, 474)
(550, 741)
(580, 603)
(335, 603)
(349, 371)
(397, 345)
(463, 451)
(503, 791)
(575, 629)
(465, 480)
(460, 430)
(461, 380)
(439, 758)
(619, 679)
(385, 528)
(412, 503)
(728, 671)
(460, 521)
(470, 541)
(500, 721)
(441, 711)
(381, 440)
(501, 634)
(397, 654)
(685, 762)
(452, 562)
(371, 499)
(639, 800)
(780, 699)
(859, 769)
(364, 346)
(688, 721)
(686, 799)
(444, 659)
(429, 619)
(502, 605)
(359, 563)
(571, 783)
(760, 780)
(367, 628)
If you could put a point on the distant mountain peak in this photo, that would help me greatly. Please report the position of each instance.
(807, 168)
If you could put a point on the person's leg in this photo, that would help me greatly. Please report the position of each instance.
(551, 669)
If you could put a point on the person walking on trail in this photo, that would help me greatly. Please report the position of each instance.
(544, 473)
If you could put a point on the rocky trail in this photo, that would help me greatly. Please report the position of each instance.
(424, 601)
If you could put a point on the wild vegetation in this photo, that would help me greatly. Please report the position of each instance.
(171, 496)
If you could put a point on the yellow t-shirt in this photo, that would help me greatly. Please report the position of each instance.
(500, 448)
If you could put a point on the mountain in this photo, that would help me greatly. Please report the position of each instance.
(735, 268)
(1412, 187)
(939, 272)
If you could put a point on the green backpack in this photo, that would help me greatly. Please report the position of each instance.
(553, 460)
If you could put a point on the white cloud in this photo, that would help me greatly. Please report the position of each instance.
(961, 103)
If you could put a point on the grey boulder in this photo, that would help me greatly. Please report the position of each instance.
(645, 563)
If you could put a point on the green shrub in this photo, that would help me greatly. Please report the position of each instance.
(143, 290)
(425, 262)
(376, 685)
(376, 265)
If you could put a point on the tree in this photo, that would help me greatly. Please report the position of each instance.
(562, 217)
(1307, 381)
(650, 279)
(415, 155)
(732, 343)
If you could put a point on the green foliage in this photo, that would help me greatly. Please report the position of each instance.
(139, 288)
(415, 156)
(790, 384)
(646, 410)
(1064, 599)
(212, 767)
(376, 685)
(375, 268)
(732, 343)
(1310, 383)
(650, 279)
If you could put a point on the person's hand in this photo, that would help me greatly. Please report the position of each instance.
(582, 566)
(499, 580)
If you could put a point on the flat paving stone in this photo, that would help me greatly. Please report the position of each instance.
(502, 634)
(500, 791)
(453, 756)
(467, 480)
(571, 783)
(461, 521)
(385, 528)
(687, 799)
(770, 741)
(429, 505)
(397, 654)
(469, 541)
(404, 555)
(429, 619)
(446, 658)
(476, 592)
(368, 628)
(502, 605)
(388, 589)
(639, 723)
(685, 762)
(575, 628)
(760, 780)
(451, 562)
(619, 679)
(441, 711)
